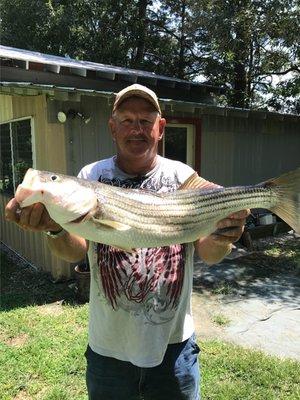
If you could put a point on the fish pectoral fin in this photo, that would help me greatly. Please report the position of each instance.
(88, 215)
(83, 218)
(126, 249)
(112, 224)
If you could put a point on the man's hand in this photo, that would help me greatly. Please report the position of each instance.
(33, 218)
(230, 229)
(213, 248)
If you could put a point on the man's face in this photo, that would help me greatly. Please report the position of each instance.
(136, 128)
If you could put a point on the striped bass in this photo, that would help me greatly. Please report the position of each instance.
(135, 218)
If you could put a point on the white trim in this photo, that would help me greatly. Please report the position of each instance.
(33, 143)
(12, 156)
(15, 120)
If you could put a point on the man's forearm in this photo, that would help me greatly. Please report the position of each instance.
(68, 247)
(210, 251)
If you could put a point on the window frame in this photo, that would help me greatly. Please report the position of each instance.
(190, 141)
(33, 148)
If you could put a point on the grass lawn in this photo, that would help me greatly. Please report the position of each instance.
(42, 341)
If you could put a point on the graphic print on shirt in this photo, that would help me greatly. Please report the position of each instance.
(148, 281)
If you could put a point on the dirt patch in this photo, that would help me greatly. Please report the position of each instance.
(204, 311)
(22, 285)
(22, 395)
(53, 309)
(17, 341)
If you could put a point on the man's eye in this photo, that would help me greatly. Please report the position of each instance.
(145, 122)
(126, 121)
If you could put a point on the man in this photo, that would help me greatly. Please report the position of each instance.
(141, 333)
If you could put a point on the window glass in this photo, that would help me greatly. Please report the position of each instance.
(179, 143)
(22, 149)
(16, 154)
(6, 173)
(176, 143)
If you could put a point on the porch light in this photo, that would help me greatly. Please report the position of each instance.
(72, 114)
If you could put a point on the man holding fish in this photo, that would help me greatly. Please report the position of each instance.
(141, 332)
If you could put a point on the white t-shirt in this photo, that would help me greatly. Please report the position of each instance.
(140, 302)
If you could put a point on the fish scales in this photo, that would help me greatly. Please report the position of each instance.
(172, 216)
(132, 218)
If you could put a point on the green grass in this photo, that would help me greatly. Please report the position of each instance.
(290, 250)
(42, 342)
(233, 373)
(223, 288)
(42, 351)
(221, 320)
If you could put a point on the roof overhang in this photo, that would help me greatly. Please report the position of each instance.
(13, 58)
(169, 106)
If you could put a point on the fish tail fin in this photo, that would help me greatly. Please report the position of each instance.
(287, 189)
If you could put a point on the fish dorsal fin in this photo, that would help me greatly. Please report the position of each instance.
(112, 224)
(194, 182)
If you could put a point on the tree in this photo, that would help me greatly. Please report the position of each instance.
(172, 28)
(243, 44)
(249, 47)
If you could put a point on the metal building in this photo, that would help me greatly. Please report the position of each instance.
(54, 113)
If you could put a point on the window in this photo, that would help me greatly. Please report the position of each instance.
(16, 153)
(179, 143)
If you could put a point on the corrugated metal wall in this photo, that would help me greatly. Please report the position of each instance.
(6, 110)
(49, 153)
(234, 151)
(89, 142)
(238, 151)
(85, 143)
(59, 147)
(32, 246)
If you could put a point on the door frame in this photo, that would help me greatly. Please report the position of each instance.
(197, 135)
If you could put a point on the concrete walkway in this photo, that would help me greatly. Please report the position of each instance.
(254, 308)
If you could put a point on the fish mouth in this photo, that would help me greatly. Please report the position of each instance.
(25, 196)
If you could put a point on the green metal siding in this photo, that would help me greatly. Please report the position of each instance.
(238, 151)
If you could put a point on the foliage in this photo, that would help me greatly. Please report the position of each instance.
(244, 45)
(249, 47)
(221, 320)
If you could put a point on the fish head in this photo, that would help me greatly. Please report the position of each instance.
(66, 198)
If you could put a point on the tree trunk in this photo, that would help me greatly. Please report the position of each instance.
(141, 34)
(239, 96)
(181, 60)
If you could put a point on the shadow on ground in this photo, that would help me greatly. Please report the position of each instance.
(22, 286)
(252, 298)
(254, 275)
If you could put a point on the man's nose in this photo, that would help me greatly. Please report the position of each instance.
(137, 126)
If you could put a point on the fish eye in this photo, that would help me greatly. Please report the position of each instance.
(54, 177)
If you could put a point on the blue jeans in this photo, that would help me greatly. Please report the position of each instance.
(176, 378)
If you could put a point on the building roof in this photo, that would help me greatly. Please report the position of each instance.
(31, 60)
(25, 72)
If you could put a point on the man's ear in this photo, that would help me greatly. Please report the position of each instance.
(162, 125)
(112, 127)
